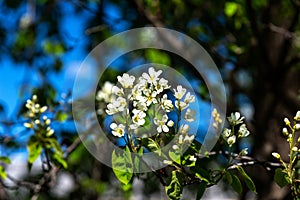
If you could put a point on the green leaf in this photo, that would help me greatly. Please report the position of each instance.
(175, 156)
(227, 177)
(247, 179)
(156, 56)
(34, 149)
(60, 160)
(230, 8)
(2, 172)
(281, 178)
(174, 185)
(61, 116)
(122, 165)
(236, 184)
(5, 160)
(201, 190)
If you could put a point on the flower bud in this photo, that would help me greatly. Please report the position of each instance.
(276, 155)
(295, 149)
(43, 109)
(27, 125)
(37, 121)
(287, 121)
(285, 131)
(167, 162)
(297, 117)
(297, 127)
(34, 97)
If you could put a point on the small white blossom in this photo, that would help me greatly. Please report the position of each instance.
(138, 117)
(50, 132)
(150, 97)
(161, 85)
(105, 92)
(116, 106)
(231, 140)
(243, 131)
(184, 128)
(166, 104)
(180, 92)
(192, 158)
(126, 80)
(117, 130)
(117, 91)
(180, 139)
(235, 118)
(189, 98)
(153, 75)
(189, 138)
(190, 115)
(181, 105)
(175, 147)
(161, 124)
(226, 133)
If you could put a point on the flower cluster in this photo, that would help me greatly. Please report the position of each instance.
(290, 133)
(38, 122)
(238, 130)
(137, 100)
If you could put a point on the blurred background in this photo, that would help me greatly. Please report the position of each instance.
(254, 43)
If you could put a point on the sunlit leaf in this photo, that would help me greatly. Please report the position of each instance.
(122, 165)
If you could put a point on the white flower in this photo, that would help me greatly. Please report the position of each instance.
(117, 91)
(231, 140)
(152, 77)
(179, 93)
(190, 115)
(116, 106)
(297, 117)
(140, 105)
(189, 98)
(138, 117)
(243, 131)
(161, 85)
(193, 158)
(175, 147)
(150, 97)
(189, 138)
(126, 80)
(180, 139)
(184, 128)
(166, 104)
(117, 130)
(161, 124)
(226, 133)
(105, 92)
(235, 118)
(181, 105)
